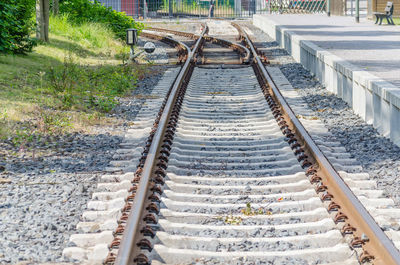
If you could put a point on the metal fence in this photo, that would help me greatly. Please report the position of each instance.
(221, 8)
(297, 6)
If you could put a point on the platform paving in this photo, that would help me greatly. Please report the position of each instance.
(359, 62)
(373, 48)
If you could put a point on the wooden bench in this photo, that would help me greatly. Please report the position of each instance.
(388, 14)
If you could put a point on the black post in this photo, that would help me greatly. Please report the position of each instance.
(170, 8)
(328, 8)
(357, 11)
(144, 9)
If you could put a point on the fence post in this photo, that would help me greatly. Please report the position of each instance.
(328, 8)
(238, 8)
(357, 11)
(144, 9)
(269, 6)
(170, 8)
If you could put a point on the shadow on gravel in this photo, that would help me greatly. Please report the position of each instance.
(70, 153)
(76, 152)
(42, 197)
(377, 154)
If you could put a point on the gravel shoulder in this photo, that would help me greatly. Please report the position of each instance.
(377, 154)
(43, 195)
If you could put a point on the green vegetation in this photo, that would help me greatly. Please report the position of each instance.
(196, 9)
(65, 85)
(15, 26)
(82, 11)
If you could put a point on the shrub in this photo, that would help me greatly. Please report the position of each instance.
(81, 11)
(84, 87)
(16, 25)
(88, 35)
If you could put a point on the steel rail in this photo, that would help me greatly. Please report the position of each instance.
(175, 32)
(250, 43)
(127, 246)
(244, 51)
(167, 40)
(183, 49)
(378, 245)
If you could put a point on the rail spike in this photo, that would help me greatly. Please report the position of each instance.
(127, 252)
(320, 172)
(351, 209)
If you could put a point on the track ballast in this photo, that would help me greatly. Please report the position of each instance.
(235, 192)
(230, 176)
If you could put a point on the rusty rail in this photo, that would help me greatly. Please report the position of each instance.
(367, 234)
(242, 50)
(183, 49)
(175, 32)
(249, 43)
(136, 225)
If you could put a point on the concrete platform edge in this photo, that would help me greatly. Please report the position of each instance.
(373, 99)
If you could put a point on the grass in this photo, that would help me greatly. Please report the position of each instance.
(65, 85)
(194, 9)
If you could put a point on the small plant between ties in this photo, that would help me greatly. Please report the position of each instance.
(249, 211)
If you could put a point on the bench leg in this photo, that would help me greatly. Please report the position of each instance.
(380, 20)
(377, 18)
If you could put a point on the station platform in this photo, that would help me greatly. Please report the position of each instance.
(360, 62)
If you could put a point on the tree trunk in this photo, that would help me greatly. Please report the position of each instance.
(55, 7)
(42, 20)
(39, 20)
(46, 9)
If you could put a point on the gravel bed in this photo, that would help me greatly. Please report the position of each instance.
(42, 198)
(377, 154)
(159, 56)
(194, 27)
(244, 261)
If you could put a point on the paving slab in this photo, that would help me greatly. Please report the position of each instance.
(373, 48)
(359, 62)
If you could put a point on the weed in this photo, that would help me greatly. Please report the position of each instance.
(22, 137)
(3, 115)
(233, 220)
(67, 84)
(53, 123)
(122, 55)
(94, 116)
(249, 211)
(87, 87)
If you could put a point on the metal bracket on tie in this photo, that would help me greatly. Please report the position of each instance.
(333, 206)
(340, 217)
(348, 229)
(142, 259)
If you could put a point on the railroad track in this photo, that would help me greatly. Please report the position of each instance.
(230, 176)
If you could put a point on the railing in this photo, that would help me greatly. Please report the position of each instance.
(221, 8)
(297, 6)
